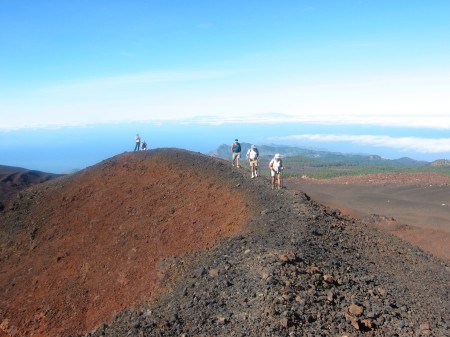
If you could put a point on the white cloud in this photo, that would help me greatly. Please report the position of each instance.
(415, 144)
(234, 96)
(157, 111)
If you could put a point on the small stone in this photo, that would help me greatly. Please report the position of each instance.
(221, 319)
(284, 322)
(214, 272)
(287, 297)
(355, 310)
(424, 326)
(330, 296)
(4, 325)
(264, 274)
(371, 314)
(328, 278)
(287, 257)
(299, 299)
(400, 324)
(353, 321)
(381, 291)
(368, 324)
(313, 270)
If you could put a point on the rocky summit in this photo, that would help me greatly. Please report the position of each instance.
(173, 243)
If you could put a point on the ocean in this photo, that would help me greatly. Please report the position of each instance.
(68, 149)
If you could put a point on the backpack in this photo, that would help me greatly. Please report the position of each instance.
(253, 154)
(236, 147)
(273, 161)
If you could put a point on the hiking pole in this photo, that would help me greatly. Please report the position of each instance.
(281, 179)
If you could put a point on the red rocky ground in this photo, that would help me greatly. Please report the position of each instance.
(87, 246)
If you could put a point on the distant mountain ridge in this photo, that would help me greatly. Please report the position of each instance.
(13, 179)
(223, 151)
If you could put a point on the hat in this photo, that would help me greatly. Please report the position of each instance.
(253, 146)
(277, 156)
(236, 140)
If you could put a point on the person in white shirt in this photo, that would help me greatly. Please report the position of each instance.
(276, 166)
(138, 142)
(252, 156)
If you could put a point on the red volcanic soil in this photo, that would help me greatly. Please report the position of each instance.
(83, 247)
(413, 206)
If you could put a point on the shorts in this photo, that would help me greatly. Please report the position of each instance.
(273, 173)
(236, 155)
(253, 162)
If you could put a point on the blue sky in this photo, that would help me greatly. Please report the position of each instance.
(348, 63)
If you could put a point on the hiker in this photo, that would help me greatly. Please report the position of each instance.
(144, 146)
(276, 166)
(138, 142)
(252, 156)
(236, 152)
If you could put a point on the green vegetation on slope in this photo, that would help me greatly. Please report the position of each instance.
(325, 164)
(299, 165)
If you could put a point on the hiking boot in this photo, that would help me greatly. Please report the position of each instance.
(253, 176)
(273, 187)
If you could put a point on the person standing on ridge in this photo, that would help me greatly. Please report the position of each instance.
(138, 142)
(252, 156)
(276, 166)
(235, 152)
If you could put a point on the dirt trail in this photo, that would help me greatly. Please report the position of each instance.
(414, 207)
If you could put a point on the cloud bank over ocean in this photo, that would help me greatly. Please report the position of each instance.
(63, 149)
(432, 121)
(415, 144)
(230, 94)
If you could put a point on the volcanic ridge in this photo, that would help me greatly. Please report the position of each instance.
(169, 242)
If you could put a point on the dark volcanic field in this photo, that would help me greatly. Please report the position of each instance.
(294, 268)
